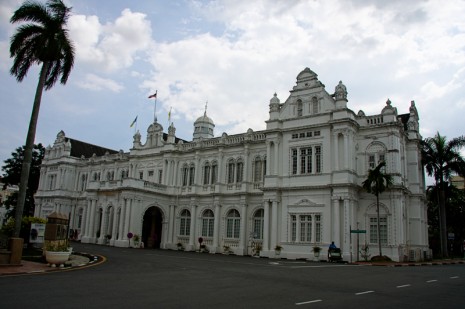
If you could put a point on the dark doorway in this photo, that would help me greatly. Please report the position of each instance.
(152, 227)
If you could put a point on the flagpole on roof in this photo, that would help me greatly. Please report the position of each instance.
(155, 106)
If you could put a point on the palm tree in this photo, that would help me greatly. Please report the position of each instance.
(42, 40)
(376, 183)
(441, 159)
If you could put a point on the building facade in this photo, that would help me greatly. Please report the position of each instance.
(296, 184)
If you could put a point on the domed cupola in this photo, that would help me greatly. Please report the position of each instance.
(203, 127)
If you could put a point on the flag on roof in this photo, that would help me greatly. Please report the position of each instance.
(153, 95)
(132, 123)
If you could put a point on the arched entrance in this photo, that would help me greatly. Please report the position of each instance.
(152, 227)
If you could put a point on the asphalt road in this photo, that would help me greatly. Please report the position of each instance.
(142, 278)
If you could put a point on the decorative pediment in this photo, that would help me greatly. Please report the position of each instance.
(306, 203)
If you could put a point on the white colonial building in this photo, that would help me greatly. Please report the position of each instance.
(296, 184)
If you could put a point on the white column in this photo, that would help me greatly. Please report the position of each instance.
(268, 157)
(92, 219)
(336, 221)
(346, 150)
(127, 217)
(336, 151)
(243, 239)
(216, 228)
(266, 226)
(274, 223)
(171, 224)
(192, 227)
(276, 157)
(121, 221)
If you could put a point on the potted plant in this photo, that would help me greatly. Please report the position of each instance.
(57, 252)
(136, 239)
(256, 249)
(226, 249)
(278, 249)
(316, 252)
(180, 246)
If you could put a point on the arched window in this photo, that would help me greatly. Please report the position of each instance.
(299, 108)
(315, 107)
(185, 174)
(231, 169)
(206, 173)
(233, 224)
(239, 170)
(191, 175)
(185, 223)
(258, 170)
(214, 168)
(258, 219)
(208, 223)
(375, 153)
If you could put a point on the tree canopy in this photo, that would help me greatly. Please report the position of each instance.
(12, 176)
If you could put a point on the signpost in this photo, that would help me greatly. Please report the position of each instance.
(358, 232)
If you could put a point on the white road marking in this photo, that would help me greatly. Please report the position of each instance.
(454, 277)
(403, 286)
(429, 281)
(366, 292)
(308, 302)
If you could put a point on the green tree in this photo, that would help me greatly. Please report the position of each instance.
(376, 183)
(12, 175)
(43, 39)
(442, 159)
(455, 213)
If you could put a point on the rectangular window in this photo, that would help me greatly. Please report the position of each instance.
(374, 230)
(371, 161)
(258, 228)
(305, 160)
(233, 227)
(150, 173)
(258, 171)
(240, 169)
(317, 228)
(141, 175)
(309, 134)
(294, 161)
(206, 174)
(231, 172)
(305, 228)
(301, 135)
(295, 135)
(318, 159)
(184, 227)
(160, 176)
(214, 173)
(185, 172)
(316, 133)
(191, 175)
(207, 227)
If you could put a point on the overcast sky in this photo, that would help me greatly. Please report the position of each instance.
(236, 55)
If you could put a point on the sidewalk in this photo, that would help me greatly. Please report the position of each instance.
(27, 267)
(401, 264)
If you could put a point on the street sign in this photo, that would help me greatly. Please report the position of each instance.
(358, 231)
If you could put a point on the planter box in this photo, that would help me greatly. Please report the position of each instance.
(53, 257)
